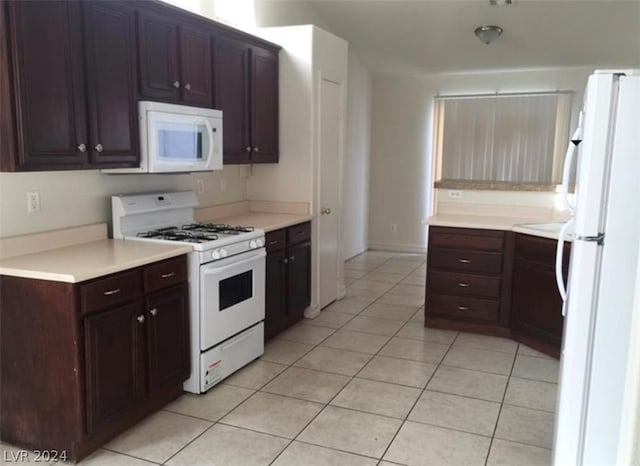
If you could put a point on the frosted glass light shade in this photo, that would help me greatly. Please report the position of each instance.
(488, 34)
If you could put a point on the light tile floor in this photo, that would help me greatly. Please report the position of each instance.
(363, 384)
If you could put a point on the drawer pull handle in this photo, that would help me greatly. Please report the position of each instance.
(463, 308)
(111, 292)
(153, 312)
(167, 275)
(273, 242)
(464, 261)
(464, 284)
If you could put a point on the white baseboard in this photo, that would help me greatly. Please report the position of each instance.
(353, 252)
(312, 312)
(411, 248)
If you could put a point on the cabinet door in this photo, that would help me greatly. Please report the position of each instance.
(46, 48)
(299, 280)
(264, 106)
(195, 66)
(159, 72)
(114, 362)
(231, 83)
(168, 337)
(275, 319)
(536, 308)
(111, 84)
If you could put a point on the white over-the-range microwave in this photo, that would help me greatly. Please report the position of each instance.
(177, 139)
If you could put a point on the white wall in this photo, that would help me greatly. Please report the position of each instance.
(402, 138)
(71, 198)
(355, 207)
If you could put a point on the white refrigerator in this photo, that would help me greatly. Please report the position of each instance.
(603, 273)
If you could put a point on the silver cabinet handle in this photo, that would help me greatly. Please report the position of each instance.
(167, 275)
(82, 148)
(176, 84)
(99, 147)
(292, 258)
(464, 284)
(255, 149)
(248, 148)
(463, 308)
(111, 292)
(140, 318)
(285, 260)
(464, 261)
(187, 86)
(153, 311)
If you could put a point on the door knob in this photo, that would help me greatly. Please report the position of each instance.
(325, 211)
(140, 318)
(176, 84)
(153, 312)
(248, 148)
(99, 147)
(187, 86)
(82, 148)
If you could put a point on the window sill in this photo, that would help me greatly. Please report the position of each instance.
(498, 185)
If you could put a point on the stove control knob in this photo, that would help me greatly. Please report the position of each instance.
(260, 242)
(215, 255)
(253, 244)
(223, 253)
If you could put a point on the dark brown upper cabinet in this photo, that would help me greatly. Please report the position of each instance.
(246, 90)
(73, 92)
(175, 61)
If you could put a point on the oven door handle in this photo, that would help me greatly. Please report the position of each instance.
(211, 269)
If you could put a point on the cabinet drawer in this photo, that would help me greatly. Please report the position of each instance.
(299, 233)
(276, 240)
(461, 307)
(465, 238)
(464, 284)
(165, 274)
(466, 261)
(105, 292)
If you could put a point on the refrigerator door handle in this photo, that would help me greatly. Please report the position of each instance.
(559, 256)
(566, 169)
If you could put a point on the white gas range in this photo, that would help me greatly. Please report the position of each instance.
(226, 279)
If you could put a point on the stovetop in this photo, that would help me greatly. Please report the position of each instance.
(196, 232)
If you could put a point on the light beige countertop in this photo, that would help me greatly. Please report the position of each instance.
(85, 261)
(266, 221)
(546, 228)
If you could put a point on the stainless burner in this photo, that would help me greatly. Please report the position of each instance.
(176, 234)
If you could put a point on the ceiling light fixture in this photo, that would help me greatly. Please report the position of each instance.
(488, 34)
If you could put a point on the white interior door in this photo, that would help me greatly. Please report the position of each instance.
(329, 201)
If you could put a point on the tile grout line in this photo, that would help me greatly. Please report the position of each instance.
(418, 399)
(495, 428)
(338, 392)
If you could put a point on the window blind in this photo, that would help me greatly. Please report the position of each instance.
(511, 137)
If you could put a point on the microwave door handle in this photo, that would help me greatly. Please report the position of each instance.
(213, 140)
(213, 270)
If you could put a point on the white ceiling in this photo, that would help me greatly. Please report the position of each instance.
(417, 37)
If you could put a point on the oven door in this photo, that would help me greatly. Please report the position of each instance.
(231, 296)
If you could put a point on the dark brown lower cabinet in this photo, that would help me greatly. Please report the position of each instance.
(288, 277)
(536, 307)
(496, 283)
(82, 362)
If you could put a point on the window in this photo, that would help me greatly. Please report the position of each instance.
(518, 138)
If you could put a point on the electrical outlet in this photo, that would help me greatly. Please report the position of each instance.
(393, 228)
(33, 201)
(454, 194)
(199, 186)
(223, 185)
